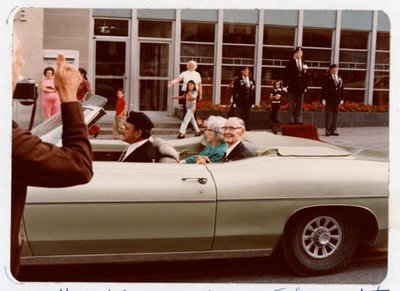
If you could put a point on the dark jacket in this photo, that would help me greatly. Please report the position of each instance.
(238, 153)
(146, 153)
(332, 92)
(243, 97)
(295, 81)
(37, 163)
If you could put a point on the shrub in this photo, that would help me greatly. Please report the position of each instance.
(313, 106)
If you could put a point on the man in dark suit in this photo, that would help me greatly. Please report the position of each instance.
(137, 133)
(332, 97)
(243, 93)
(296, 84)
(234, 130)
(41, 164)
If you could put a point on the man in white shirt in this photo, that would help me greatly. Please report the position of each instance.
(137, 133)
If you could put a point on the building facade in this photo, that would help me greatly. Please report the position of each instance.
(140, 50)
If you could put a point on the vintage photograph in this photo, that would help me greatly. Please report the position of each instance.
(200, 146)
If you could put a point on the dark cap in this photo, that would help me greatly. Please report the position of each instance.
(140, 120)
(297, 49)
(333, 66)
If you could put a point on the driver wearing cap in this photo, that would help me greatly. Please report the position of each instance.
(137, 133)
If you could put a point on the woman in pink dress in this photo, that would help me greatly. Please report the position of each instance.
(50, 100)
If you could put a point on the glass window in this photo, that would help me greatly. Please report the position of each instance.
(353, 59)
(279, 35)
(110, 58)
(315, 77)
(157, 29)
(198, 32)
(154, 59)
(153, 95)
(353, 79)
(269, 75)
(354, 95)
(317, 58)
(381, 97)
(111, 27)
(276, 56)
(381, 80)
(382, 61)
(317, 37)
(240, 55)
(383, 41)
(239, 33)
(108, 88)
(354, 39)
(201, 53)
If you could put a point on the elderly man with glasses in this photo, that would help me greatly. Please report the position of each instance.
(234, 130)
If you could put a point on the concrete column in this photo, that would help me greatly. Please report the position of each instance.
(218, 57)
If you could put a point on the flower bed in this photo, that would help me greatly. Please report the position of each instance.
(351, 114)
(313, 107)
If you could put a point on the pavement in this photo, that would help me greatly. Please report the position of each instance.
(371, 138)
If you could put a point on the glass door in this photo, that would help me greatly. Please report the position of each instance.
(111, 61)
(153, 75)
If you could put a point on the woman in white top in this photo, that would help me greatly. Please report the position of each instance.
(186, 76)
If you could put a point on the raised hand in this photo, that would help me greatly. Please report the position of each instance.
(67, 79)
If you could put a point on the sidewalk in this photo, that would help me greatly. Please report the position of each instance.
(371, 138)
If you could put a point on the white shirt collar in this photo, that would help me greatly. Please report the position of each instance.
(230, 149)
(133, 147)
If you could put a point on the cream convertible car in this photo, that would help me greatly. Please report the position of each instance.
(316, 201)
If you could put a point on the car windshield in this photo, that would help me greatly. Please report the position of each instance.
(51, 129)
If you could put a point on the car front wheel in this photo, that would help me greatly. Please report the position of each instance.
(320, 242)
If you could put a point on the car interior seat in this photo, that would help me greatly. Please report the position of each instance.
(166, 153)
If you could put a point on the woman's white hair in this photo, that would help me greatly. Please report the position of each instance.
(215, 123)
(191, 62)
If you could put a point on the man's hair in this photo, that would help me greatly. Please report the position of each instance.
(237, 119)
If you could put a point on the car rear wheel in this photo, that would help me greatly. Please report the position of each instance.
(320, 242)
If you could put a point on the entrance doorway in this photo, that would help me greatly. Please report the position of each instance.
(154, 71)
(111, 73)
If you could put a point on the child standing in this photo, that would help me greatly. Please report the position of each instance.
(120, 112)
(191, 96)
(275, 97)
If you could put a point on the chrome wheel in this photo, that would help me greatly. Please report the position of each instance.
(321, 237)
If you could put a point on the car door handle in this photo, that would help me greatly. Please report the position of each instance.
(200, 180)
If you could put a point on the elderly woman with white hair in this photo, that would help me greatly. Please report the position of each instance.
(216, 148)
(186, 76)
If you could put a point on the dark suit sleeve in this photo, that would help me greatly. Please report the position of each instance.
(38, 163)
(235, 90)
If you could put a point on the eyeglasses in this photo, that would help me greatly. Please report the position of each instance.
(231, 127)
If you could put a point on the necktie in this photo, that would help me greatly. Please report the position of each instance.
(335, 78)
(246, 80)
(299, 65)
(121, 158)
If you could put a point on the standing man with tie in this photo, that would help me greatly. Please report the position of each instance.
(332, 97)
(243, 95)
(296, 85)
